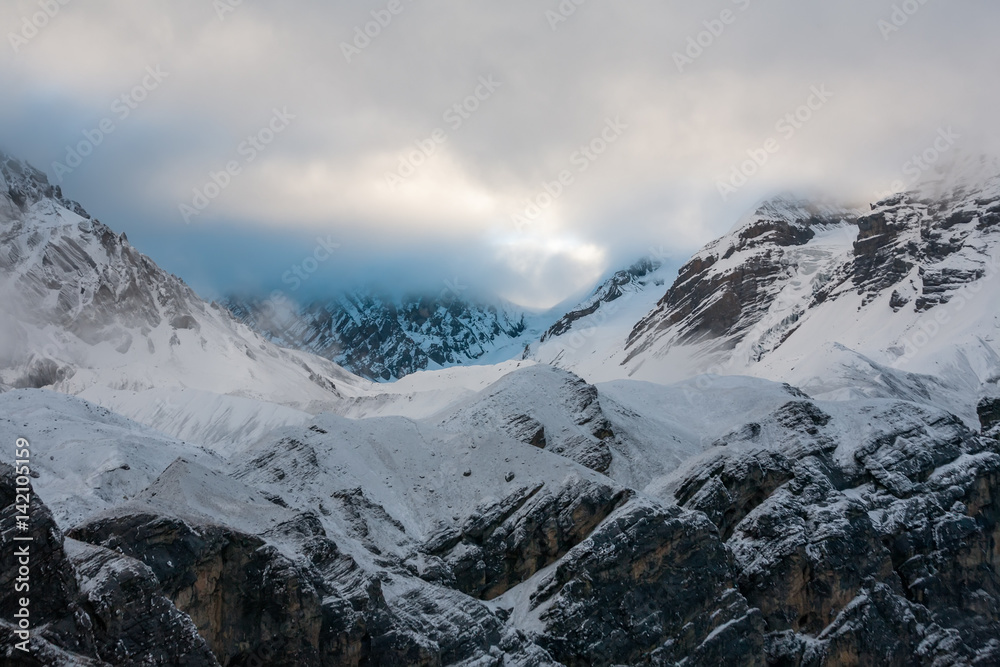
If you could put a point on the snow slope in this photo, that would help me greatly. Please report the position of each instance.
(590, 339)
(83, 310)
(88, 459)
(898, 302)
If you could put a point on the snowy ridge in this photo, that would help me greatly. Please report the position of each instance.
(84, 309)
(837, 305)
(590, 338)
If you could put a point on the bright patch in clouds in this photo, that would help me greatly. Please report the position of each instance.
(654, 187)
(538, 261)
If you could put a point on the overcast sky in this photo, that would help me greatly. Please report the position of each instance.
(536, 81)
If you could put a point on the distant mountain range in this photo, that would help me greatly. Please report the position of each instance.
(385, 338)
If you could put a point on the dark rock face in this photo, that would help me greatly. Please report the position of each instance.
(905, 231)
(502, 545)
(731, 488)
(794, 567)
(877, 262)
(651, 585)
(909, 230)
(705, 302)
(715, 305)
(886, 556)
(54, 589)
(91, 607)
(253, 605)
(243, 596)
(139, 624)
(989, 415)
(382, 338)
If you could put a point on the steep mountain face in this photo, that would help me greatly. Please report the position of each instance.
(927, 245)
(83, 309)
(731, 286)
(90, 605)
(386, 338)
(836, 303)
(866, 540)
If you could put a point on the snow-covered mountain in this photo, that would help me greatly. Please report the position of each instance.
(843, 305)
(734, 525)
(201, 496)
(749, 287)
(589, 338)
(894, 301)
(382, 337)
(85, 311)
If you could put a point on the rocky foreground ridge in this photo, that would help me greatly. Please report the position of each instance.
(820, 534)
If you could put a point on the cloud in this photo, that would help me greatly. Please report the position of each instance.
(358, 122)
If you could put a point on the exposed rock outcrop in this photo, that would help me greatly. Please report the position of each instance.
(505, 543)
(717, 297)
(138, 624)
(989, 416)
(548, 408)
(651, 585)
(88, 606)
(242, 594)
(882, 551)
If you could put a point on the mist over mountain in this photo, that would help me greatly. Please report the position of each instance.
(893, 95)
(385, 338)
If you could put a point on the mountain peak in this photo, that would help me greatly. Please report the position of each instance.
(22, 186)
(787, 211)
(83, 310)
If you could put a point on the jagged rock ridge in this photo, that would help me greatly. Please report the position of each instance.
(386, 338)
